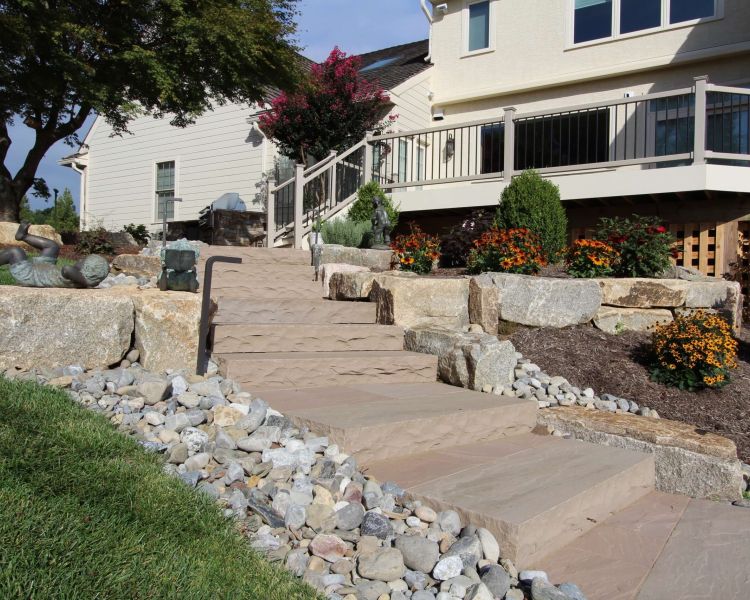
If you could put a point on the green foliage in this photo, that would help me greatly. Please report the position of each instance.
(694, 351)
(94, 241)
(533, 203)
(643, 243)
(85, 512)
(590, 258)
(459, 241)
(346, 233)
(417, 252)
(139, 233)
(64, 217)
(362, 209)
(62, 61)
(506, 251)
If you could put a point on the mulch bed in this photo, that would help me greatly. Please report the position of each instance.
(618, 365)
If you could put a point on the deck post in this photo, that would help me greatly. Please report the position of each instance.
(367, 175)
(699, 145)
(270, 216)
(299, 198)
(509, 144)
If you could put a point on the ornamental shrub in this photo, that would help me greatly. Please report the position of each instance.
(694, 351)
(533, 203)
(643, 243)
(139, 232)
(417, 251)
(459, 241)
(590, 258)
(94, 241)
(362, 208)
(345, 232)
(507, 251)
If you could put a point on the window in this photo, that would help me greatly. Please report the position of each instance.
(593, 20)
(420, 162)
(690, 10)
(403, 149)
(493, 148)
(602, 19)
(165, 188)
(479, 25)
(637, 15)
(728, 123)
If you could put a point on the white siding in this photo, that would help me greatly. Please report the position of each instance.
(220, 153)
(412, 103)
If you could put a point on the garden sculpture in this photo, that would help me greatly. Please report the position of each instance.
(43, 272)
(381, 225)
(178, 261)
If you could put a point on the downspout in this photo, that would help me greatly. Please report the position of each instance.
(84, 185)
(428, 14)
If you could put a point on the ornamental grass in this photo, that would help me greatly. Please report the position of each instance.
(507, 251)
(694, 351)
(591, 258)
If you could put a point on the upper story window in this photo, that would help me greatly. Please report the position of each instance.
(165, 188)
(479, 26)
(602, 19)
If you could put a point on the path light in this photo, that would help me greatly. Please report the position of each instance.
(450, 147)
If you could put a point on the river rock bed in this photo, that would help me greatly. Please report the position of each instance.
(300, 500)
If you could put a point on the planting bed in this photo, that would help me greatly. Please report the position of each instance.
(618, 365)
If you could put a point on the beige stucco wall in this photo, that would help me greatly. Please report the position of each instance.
(533, 63)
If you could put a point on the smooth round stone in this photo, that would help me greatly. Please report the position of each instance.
(386, 564)
(422, 595)
(530, 575)
(541, 589)
(295, 516)
(572, 591)
(413, 521)
(426, 514)
(376, 525)
(420, 554)
(447, 568)
(321, 518)
(449, 521)
(328, 547)
(469, 549)
(496, 579)
(490, 547)
(350, 517)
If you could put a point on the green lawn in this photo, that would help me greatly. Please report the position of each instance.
(7, 279)
(85, 513)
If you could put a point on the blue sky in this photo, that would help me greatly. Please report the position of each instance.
(356, 26)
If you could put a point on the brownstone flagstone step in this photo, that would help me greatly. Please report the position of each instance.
(535, 493)
(293, 310)
(310, 369)
(378, 421)
(266, 287)
(276, 256)
(301, 337)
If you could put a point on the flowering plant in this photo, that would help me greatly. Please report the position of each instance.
(694, 351)
(590, 258)
(644, 245)
(417, 251)
(507, 250)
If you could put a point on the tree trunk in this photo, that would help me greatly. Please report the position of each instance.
(10, 202)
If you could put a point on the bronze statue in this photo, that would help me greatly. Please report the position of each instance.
(43, 272)
(381, 224)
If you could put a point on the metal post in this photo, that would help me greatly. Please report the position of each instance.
(299, 198)
(367, 176)
(167, 201)
(202, 364)
(509, 147)
(270, 216)
(699, 145)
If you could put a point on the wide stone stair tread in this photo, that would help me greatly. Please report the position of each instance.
(375, 422)
(267, 287)
(293, 310)
(306, 369)
(535, 493)
(252, 270)
(297, 337)
(277, 256)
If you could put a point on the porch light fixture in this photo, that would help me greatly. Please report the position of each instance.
(450, 147)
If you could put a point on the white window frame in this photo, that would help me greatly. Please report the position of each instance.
(616, 35)
(176, 193)
(465, 52)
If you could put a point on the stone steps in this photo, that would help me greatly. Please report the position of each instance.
(251, 270)
(268, 256)
(296, 337)
(535, 493)
(266, 287)
(292, 310)
(275, 370)
(379, 421)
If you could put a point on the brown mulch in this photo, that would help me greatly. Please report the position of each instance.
(617, 365)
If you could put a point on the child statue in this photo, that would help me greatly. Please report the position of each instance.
(43, 272)
(381, 224)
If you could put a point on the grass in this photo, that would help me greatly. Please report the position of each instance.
(86, 513)
(7, 279)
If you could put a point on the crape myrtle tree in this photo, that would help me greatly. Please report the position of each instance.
(63, 60)
(331, 110)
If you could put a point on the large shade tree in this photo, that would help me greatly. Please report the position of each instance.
(332, 110)
(63, 60)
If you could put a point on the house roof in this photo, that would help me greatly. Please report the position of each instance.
(392, 66)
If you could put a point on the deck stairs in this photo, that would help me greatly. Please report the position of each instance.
(328, 365)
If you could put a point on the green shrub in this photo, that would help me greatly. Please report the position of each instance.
(94, 241)
(533, 203)
(139, 233)
(643, 243)
(346, 233)
(362, 209)
(459, 241)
